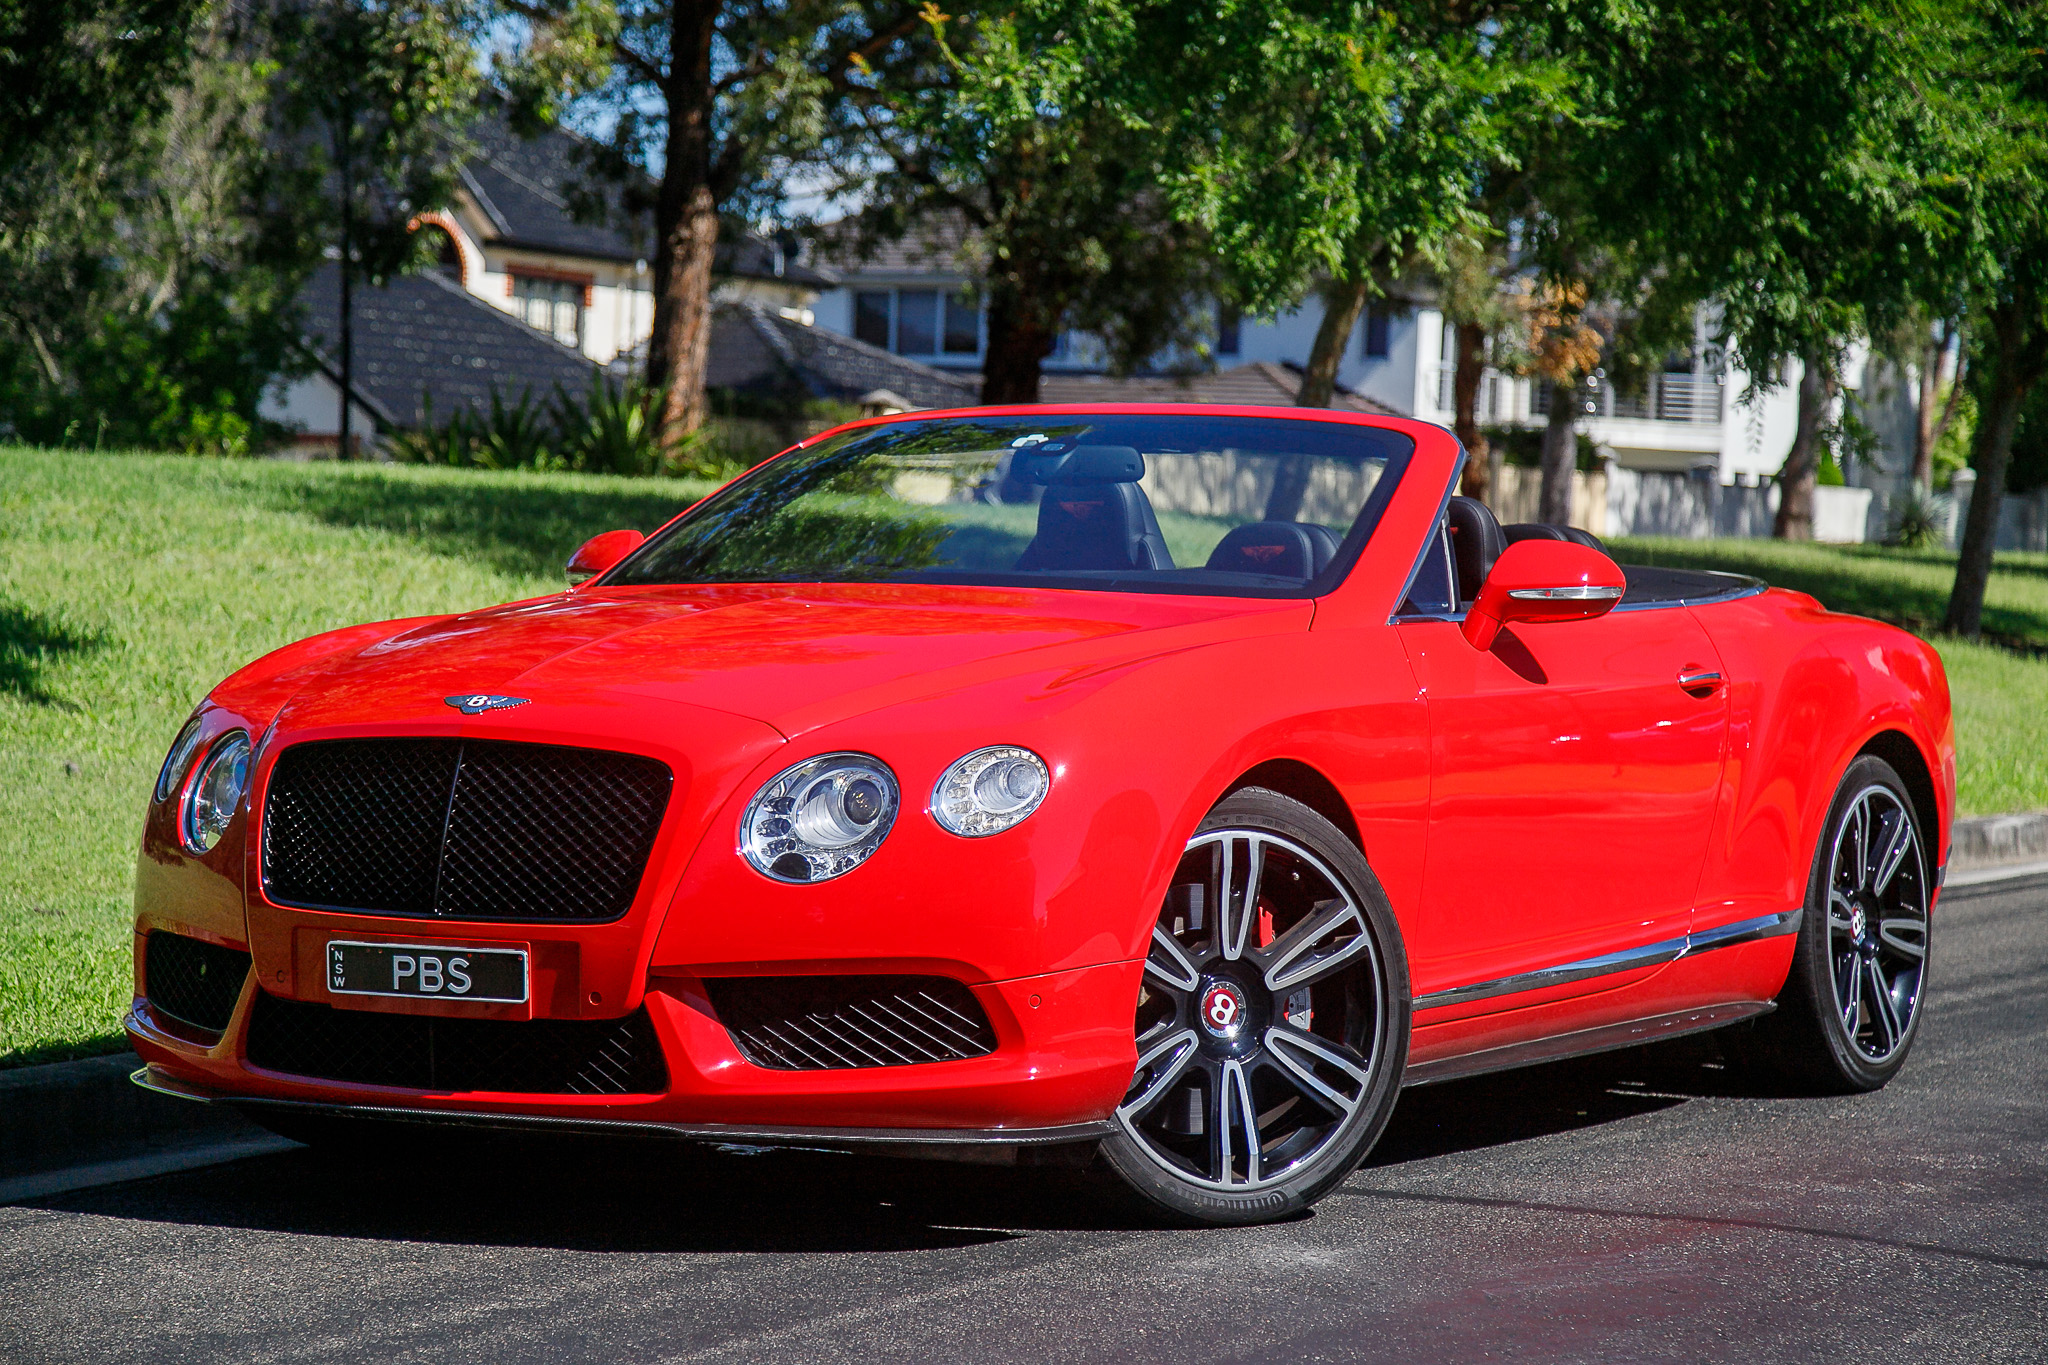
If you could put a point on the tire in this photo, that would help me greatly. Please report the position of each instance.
(1850, 1008)
(1287, 1024)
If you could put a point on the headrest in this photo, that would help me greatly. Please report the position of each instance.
(1585, 538)
(1284, 549)
(1090, 464)
(1476, 542)
(1531, 530)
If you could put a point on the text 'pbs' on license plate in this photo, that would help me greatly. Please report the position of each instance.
(425, 970)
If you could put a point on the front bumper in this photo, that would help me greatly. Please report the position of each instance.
(1062, 1058)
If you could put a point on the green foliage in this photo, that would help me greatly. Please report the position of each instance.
(610, 429)
(371, 96)
(1915, 525)
(139, 301)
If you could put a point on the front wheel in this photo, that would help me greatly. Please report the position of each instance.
(1272, 1025)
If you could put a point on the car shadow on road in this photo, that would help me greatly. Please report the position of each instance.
(625, 1196)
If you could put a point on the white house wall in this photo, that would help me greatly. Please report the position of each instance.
(312, 407)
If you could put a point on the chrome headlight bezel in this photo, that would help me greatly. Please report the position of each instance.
(978, 796)
(178, 761)
(803, 813)
(214, 794)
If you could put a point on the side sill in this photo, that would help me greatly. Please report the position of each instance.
(1586, 1042)
(921, 1141)
(1627, 960)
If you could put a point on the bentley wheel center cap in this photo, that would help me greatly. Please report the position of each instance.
(1222, 1009)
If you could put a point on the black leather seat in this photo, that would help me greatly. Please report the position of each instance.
(1093, 515)
(1476, 542)
(1281, 549)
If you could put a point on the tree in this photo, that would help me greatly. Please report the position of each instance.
(727, 101)
(76, 80)
(1769, 163)
(1006, 123)
(372, 95)
(1992, 85)
(1340, 148)
(140, 302)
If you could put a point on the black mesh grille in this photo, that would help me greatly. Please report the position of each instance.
(532, 1057)
(821, 1023)
(468, 829)
(193, 982)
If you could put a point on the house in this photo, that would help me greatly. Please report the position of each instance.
(525, 297)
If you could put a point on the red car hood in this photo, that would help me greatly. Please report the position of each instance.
(792, 656)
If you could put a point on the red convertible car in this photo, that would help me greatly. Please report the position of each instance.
(1175, 782)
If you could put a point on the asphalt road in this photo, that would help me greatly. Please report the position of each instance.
(1644, 1206)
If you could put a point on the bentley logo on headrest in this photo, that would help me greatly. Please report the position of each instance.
(1259, 554)
(479, 702)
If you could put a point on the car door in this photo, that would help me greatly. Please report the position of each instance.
(1574, 778)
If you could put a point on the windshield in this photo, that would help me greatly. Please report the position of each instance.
(1242, 506)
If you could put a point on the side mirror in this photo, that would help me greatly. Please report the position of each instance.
(599, 553)
(1543, 580)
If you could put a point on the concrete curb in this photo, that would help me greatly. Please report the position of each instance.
(77, 1124)
(1986, 842)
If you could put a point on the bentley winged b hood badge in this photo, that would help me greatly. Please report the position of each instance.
(477, 703)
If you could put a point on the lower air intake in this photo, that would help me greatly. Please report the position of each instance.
(191, 981)
(824, 1023)
(419, 1052)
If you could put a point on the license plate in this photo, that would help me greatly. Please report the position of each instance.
(412, 969)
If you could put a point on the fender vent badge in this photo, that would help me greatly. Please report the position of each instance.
(478, 703)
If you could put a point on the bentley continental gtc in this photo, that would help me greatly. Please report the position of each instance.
(1160, 787)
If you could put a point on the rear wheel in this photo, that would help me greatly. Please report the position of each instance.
(1272, 1026)
(1850, 1008)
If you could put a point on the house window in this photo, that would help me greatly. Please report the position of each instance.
(963, 324)
(1374, 342)
(553, 306)
(871, 318)
(1229, 329)
(918, 321)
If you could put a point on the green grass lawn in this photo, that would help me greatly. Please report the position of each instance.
(2000, 689)
(131, 584)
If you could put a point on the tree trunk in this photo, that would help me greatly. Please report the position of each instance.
(1465, 402)
(1019, 339)
(2014, 361)
(1560, 456)
(1343, 301)
(1802, 461)
(1933, 368)
(685, 229)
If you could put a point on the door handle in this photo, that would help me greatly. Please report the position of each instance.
(1698, 681)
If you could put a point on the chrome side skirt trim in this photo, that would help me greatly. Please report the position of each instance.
(1586, 1042)
(766, 1135)
(1628, 959)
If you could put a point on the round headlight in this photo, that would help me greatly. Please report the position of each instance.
(990, 790)
(178, 760)
(819, 819)
(215, 794)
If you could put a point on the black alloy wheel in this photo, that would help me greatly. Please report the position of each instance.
(1850, 1008)
(1272, 1025)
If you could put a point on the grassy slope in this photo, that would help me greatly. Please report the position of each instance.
(129, 585)
(2001, 696)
